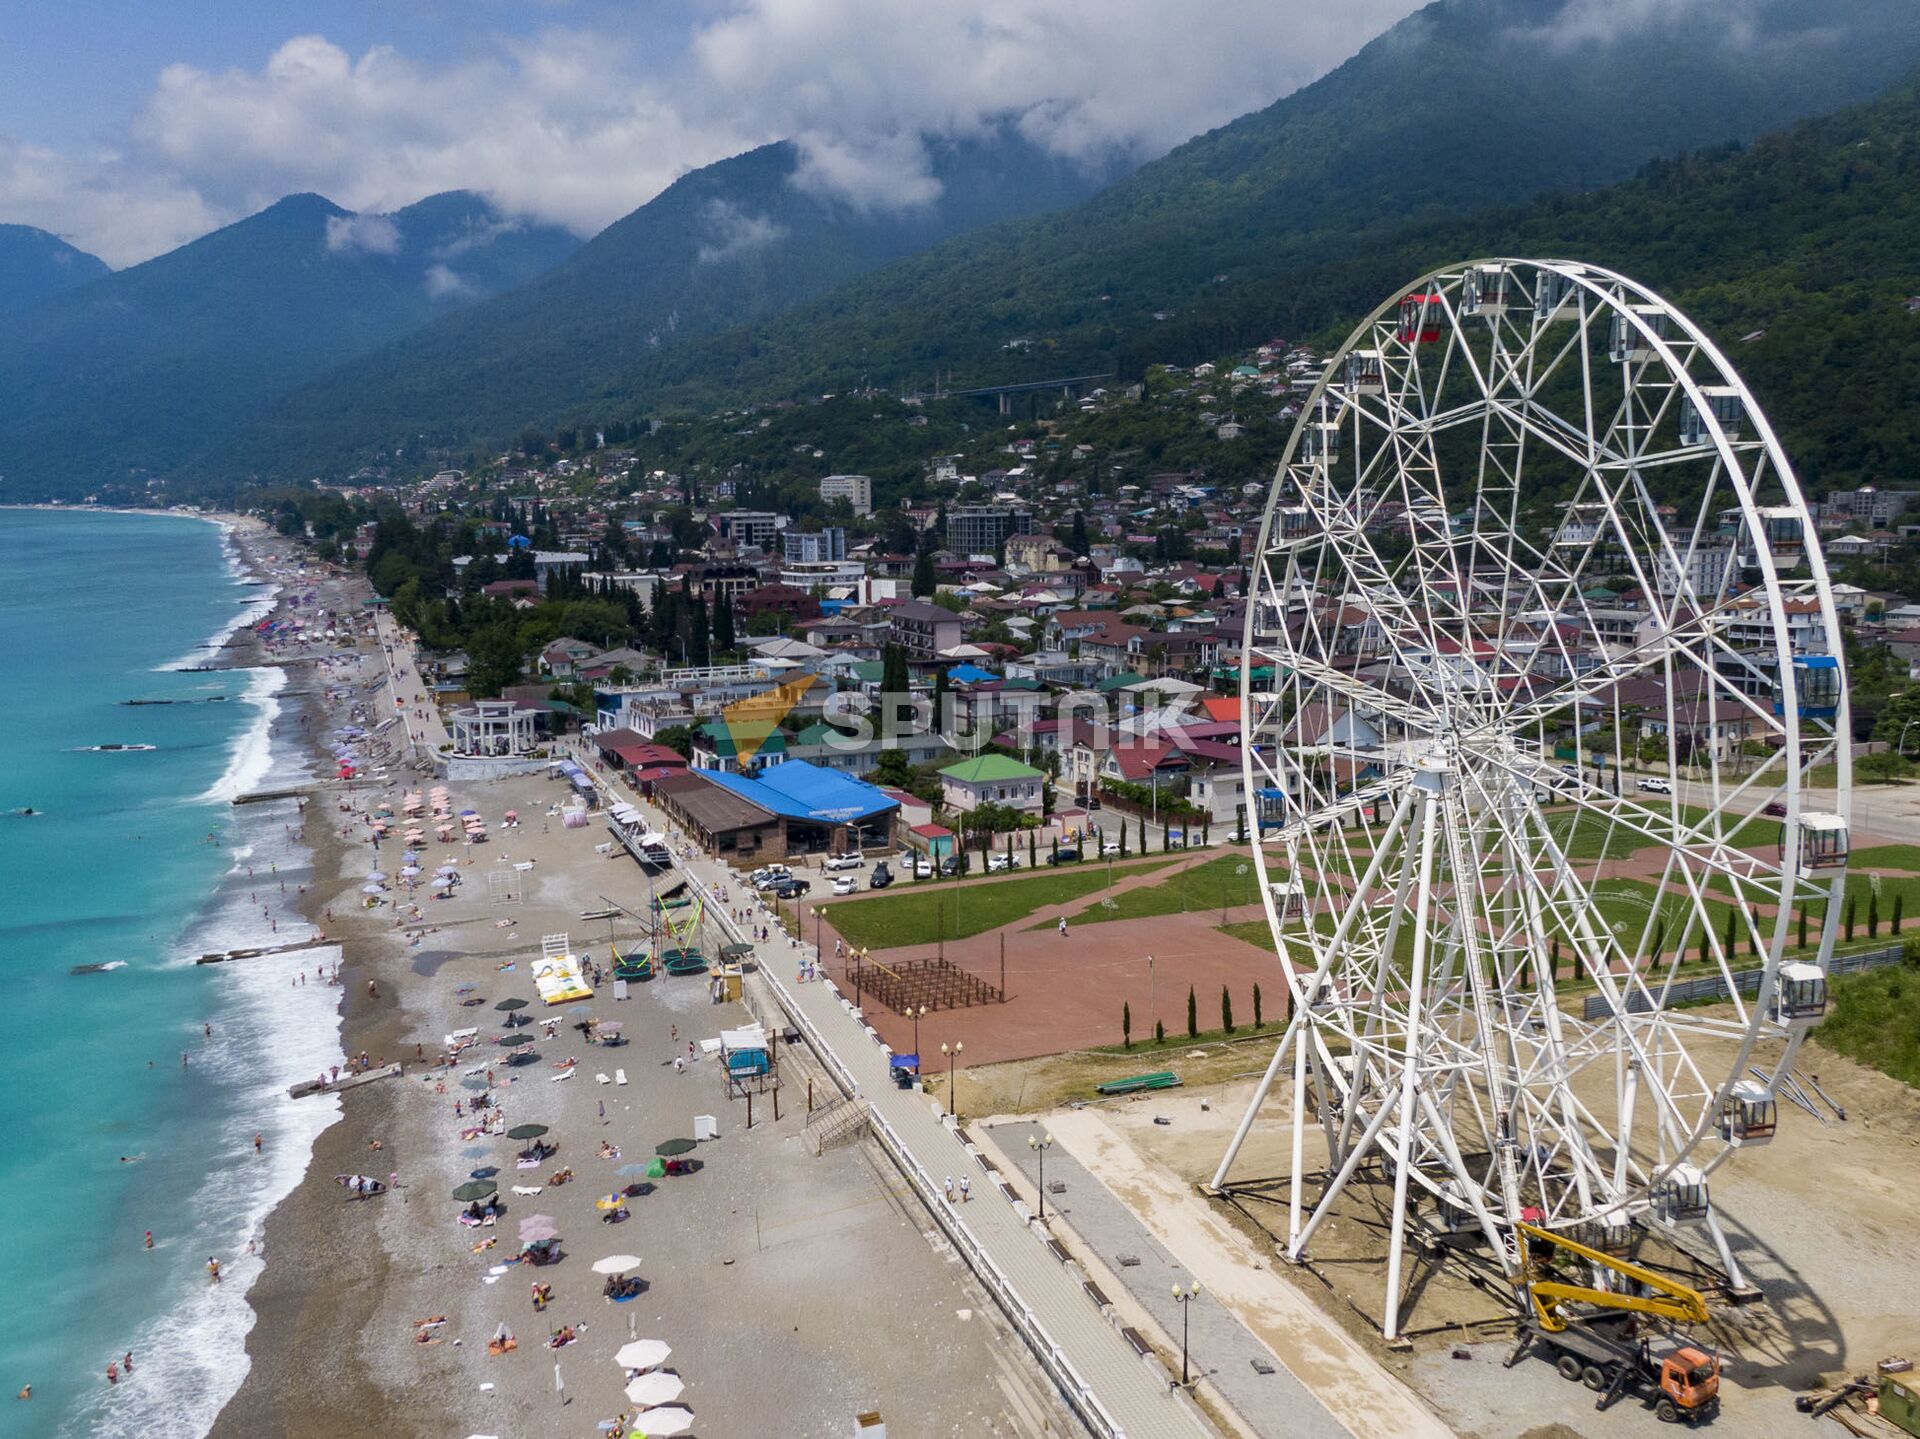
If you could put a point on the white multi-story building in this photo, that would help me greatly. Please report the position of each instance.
(856, 490)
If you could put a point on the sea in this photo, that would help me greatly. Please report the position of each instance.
(133, 1093)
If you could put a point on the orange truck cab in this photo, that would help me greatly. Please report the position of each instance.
(1689, 1380)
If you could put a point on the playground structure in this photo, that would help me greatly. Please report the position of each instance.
(930, 983)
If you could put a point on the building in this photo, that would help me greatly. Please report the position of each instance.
(856, 490)
(992, 779)
(796, 809)
(496, 728)
(922, 630)
(982, 529)
(814, 547)
(748, 527)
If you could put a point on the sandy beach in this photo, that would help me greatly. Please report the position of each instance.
(768, 1260)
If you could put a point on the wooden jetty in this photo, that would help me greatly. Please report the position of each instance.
(222, 956)
(345, 1081)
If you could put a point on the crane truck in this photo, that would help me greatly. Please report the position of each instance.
(1603, 1342)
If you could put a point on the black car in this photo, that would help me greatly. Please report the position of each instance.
(1063, 856)
(791, 888)
(881, 876)
(950, 866)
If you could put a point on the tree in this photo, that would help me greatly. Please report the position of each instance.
(1256, 1006)
(1126, 1025)
(493, 657)
(1848, 919)
(1226, 1010)
(895, 680)
(1030, 849)
(1160, 1029)
(1193, 1015)
(925, 577)
(1141, 816)
(1803, 922)
(1899, 904)
(1873, 915)
(723, 636)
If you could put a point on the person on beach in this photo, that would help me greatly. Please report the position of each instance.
(113, 1372)
(149, 1240)
(213, 1269)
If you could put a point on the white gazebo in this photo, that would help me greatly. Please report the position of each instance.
(495, 728)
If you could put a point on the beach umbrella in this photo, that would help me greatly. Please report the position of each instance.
(448, 871)
(378, 876)
(661, 1423)
(610, 1026)
(671, 1147)
(611, 1202)
(475, 1189)
(631, 1171)
(616, 1264)
(511, 1039)
(643, 1354)
(526, 1131)
(372, 888)
(656, 1388)
(409, 871)
(445, 881)
(522, 1056)
(485, 1171)
(514, 1003)
(657, 1169)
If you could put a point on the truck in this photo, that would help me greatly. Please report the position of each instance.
(1607, 1342)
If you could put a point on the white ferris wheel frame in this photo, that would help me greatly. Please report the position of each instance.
(1442, 1058)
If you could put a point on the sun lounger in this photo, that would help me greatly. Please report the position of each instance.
(563, 1074)
(602, 1079)
(619, 1076)
(528, 1188)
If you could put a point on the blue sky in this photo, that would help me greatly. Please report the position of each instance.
(154, 121)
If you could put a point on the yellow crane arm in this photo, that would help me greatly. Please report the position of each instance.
(1670, 1299)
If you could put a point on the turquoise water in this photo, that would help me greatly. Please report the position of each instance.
(137, 859)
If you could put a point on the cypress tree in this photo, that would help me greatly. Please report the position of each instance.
(1873, 916)
(1847, 919)
(1226, 1010)
(1899, 903)
(1803, 922)
(1193, 1015)
(1159, 1032)
(1256, 1006)
(1126, 1025)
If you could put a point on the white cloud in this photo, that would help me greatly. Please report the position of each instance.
(732, 231)
(363, 235)
(442, 281)
(578, 127)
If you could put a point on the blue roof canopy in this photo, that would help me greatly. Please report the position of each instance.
(799, 790)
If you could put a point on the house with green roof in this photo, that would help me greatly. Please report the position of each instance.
(992, 779)
(716, 746)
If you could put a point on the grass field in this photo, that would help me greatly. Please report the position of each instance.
(926, 913)
(1875, 1018)
(1212, 885)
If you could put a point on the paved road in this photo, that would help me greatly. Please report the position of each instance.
(426, 729)
(1220, 1345)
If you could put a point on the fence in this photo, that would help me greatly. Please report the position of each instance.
(1714, 986)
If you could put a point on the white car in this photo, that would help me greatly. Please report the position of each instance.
(1656, 786)
(923, 869)
(845, 884)
(1001, 863)
(775, 875)
(1112, 846)
(843, 861)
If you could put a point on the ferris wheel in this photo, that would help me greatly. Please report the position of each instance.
(1545, 724)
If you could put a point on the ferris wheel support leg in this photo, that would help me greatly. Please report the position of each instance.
(1734, 1276)
(1291, 1036)
(1409, 1071)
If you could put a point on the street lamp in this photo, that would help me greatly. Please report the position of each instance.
(859, 958)
(1153, 1010)
(1040, 1144)
(916, 1015)
(1184, 1297)
(952, 1052)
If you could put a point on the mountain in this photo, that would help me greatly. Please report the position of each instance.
(142, 367)
(733, 242)
(34, 265)
(1465, 104)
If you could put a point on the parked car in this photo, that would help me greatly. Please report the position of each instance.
(1001, 863)
(881, 876)
(790, 888)
(1111, 846)
(923, 869)
(1093, 803)
(845, 884)
(1776, 809)
(843, 861)
(1064, 855)
(950, 866)
(1656, 786)
(771, 877)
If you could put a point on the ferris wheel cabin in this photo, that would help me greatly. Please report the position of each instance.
(1420, 317)
(1681, 1195)
(1748, 1115)
(1799, 993)
(1366, 375)
(1610, 1234)
(1552, 294)
(1816, 688)
(1821, 844)
(1484, 291)
(1320, 441)
(1630, 343)
(1723, 403)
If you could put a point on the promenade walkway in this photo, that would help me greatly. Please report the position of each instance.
(426, 728)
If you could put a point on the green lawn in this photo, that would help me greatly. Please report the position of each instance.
(1875, 1018)
(922, 914)
(1886, 856)
(1211, 885)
